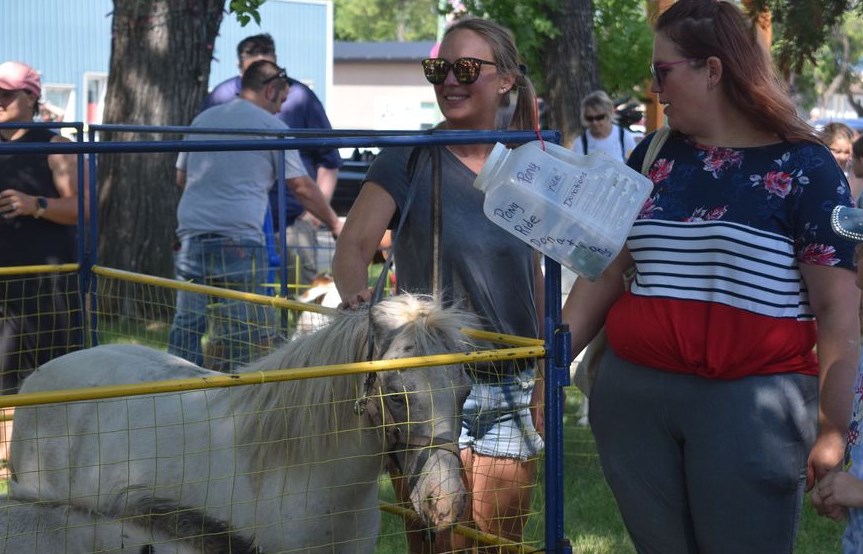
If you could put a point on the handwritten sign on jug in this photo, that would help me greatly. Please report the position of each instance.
(575, 209)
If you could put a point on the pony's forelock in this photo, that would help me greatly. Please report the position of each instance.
(427, 322)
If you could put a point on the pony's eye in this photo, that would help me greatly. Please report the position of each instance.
(399, 397)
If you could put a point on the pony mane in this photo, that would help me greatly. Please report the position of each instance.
(432, 329)
(275, 418)
(294, 421)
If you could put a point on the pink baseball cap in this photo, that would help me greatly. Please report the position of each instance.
(19, 76)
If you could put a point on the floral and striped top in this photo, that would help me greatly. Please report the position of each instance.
(717, 246)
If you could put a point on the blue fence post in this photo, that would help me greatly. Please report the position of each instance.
(84, 240)
(558, 346)
(280, 232)
(93, 234)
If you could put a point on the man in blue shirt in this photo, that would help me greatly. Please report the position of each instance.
(301, 110)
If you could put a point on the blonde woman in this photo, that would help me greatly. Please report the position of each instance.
(476, 74)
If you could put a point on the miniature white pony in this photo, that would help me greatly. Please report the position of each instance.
(290, 463)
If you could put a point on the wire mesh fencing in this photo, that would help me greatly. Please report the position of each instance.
(236, 458)
(96, 417)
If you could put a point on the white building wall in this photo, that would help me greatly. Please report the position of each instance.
(381, 96)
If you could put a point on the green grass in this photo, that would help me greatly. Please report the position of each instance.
(591, 520)
(134, 331)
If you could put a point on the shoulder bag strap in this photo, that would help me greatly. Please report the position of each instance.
(653, 149)
(659, 138)
(622, 146)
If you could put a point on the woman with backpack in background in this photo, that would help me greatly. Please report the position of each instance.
(601, 131)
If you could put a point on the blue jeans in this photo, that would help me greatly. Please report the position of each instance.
(237, 329)
(302, 249)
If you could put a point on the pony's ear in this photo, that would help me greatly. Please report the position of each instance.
(384, 328)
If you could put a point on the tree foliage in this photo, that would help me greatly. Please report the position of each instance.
(834, 68)
(571, 47)
(382, 20)
(624, 43)
(801, 27)
(576, 46)
(246, 10)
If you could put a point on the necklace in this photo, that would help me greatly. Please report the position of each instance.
(471, 151)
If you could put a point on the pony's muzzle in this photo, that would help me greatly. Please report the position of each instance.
(439, 495)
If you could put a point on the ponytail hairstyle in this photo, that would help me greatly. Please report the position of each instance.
(717, 28)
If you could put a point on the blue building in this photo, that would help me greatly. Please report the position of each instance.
(69, 43)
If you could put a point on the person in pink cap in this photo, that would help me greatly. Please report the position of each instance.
(39, 314)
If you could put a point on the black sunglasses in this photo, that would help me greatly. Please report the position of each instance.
(592, 118)
(282, 74)
(465, 70)
(8, 94)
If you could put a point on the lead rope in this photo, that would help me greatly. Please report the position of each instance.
(437, 216)
(362, 402)
(537, 129)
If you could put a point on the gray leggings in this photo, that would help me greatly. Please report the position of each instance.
(701, 466)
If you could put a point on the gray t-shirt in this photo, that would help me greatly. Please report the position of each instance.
(484, 269)
(226, 192)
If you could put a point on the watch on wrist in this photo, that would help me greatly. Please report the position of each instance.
(41, 206)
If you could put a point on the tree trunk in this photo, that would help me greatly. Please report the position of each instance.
(857, 106)
(160, 67)
(570, 66)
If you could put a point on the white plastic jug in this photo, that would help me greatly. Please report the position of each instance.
(576, 209)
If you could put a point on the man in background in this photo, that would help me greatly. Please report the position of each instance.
(220, 221)
(301, 110)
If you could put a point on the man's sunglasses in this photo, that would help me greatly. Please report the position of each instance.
(465, 70)
(659, 70)
(282, 74)
(592, 118)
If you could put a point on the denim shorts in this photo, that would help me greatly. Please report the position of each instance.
(496, 419)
